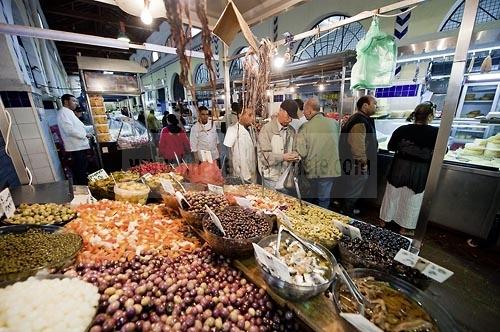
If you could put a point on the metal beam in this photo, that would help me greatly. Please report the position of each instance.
(450, 106)
(361, 16)
(94, 18)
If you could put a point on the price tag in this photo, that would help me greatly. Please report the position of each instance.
(167, 186)
(283, 218)
(347, 230)
(6, 203)
(206, 155)
(273, 263)
(105, 149)
(215, 219)
(183, 203)
(147, 176)
(99, 175)
(177, 158)
(243, 202)
(216, 189)
(426, 267)
(360, 322)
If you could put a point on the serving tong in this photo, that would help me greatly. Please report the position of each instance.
(300, 240)
(353, 289)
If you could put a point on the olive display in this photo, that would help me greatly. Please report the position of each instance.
(35, 249)
(376, 250)
(239, 223)
(42, 214)
(314, 224)
(198, 200)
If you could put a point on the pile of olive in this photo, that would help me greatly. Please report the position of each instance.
(42, 214)
(35, 249)
(198, 199)
(239, 223)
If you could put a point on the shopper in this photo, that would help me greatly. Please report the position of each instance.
(141, 118)
(317, 144)
(75, 137)
(204, 136)
(173, 141)
(413, 145)
(241, 139)
(275, 144)
(153, 123)
(358, 150)
(301, 118)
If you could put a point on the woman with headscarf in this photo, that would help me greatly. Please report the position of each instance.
(173, 140)
(413, 145)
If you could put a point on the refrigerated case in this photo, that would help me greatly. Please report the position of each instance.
(478, 100)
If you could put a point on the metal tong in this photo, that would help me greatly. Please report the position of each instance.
(301, 241)
(296, 181)
(353, 289)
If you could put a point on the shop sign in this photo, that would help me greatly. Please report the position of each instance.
(6, 203)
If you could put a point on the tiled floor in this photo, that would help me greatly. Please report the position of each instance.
(472, 294)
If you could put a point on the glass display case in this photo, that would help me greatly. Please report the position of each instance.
(478, 100)
(127, 132)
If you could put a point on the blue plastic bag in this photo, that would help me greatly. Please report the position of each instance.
(376, 56)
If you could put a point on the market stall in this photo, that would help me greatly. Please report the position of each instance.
(121, 140)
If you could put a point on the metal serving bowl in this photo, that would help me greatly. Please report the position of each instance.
(430, 304)
(233, 248)
(292, 291)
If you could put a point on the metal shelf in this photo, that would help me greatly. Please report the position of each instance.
(478, 101)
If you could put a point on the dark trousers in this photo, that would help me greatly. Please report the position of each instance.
(79, 165)
(353, 192)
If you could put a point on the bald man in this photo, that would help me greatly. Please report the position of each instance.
(317, 144)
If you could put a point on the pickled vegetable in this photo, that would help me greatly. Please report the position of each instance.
(42, 214)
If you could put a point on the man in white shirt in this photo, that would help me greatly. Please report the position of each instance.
(204, 136)
(75, 138)
(298, 121)
(240, 138)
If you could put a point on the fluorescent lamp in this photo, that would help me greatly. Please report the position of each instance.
(107, 72)
(484, 77)
(123, 36)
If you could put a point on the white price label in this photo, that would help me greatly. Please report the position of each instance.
(273, 263)
(147, 176)
(183, 203)
(347, 230)
(360, 322)
(243, 202)
(206, 155)
(99, 175)
(105, 149)
(216, 189)
(167, 186)
(215, 219)
(426, 267)
(6, 203)
(283, 218)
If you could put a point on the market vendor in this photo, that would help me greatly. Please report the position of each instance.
(240, 138)
(204, 136)
(75, 136)
(275, 145)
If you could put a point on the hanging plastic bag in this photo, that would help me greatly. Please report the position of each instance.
(376, 56)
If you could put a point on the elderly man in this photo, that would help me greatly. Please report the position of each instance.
(240, 138)
(276, 140)
(358, 148)
(204, 136)
(317, 144)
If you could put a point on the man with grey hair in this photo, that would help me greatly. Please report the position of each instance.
(317, 144)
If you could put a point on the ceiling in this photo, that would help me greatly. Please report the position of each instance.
(93, 18)
(102, 18)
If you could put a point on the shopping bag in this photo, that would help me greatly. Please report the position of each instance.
(280, 184)
(376, 56)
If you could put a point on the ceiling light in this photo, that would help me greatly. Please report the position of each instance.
(321, 87)
(321, 84)
(278, 61)
(292, 87)
(121, 34)
(146, 14)
(483, 77)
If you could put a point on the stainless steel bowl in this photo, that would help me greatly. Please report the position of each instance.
(441, 317)
(292, 291)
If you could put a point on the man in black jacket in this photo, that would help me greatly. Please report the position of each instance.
(358, 152)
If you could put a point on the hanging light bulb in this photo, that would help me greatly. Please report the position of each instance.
(121, 34)
(321, 87)
(278, 61)
(292, 87)
(146, 14)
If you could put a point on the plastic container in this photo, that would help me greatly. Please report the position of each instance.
(441, 317)
(101, 120)
(289, 290)
(102, 128)
(132, 192)
(233, 248)
(26, 273)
